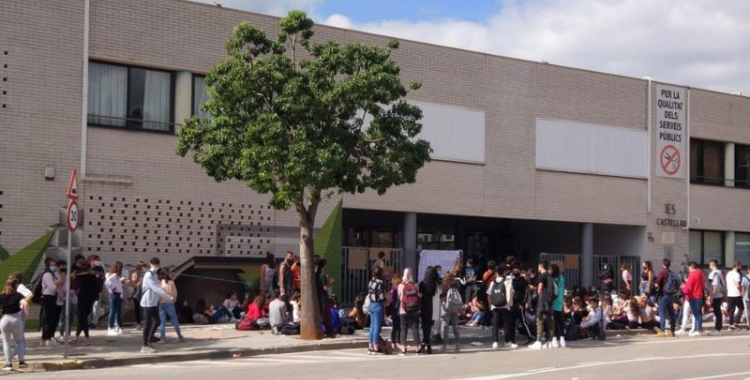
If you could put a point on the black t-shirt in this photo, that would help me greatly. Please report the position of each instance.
(11, 304)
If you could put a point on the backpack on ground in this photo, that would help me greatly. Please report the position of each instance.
(293, 329)
(410, 303)
(499, 293)
(385, 346)
(453, 302)
(672, 285)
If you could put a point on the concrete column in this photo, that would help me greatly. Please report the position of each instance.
(587, 254)
(410, 240)
(729, 164)
(729, 243)
(183, 97)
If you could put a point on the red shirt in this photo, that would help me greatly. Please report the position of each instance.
(693, 288)
(254, 312)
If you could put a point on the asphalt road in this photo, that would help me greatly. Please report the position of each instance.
(725, 357)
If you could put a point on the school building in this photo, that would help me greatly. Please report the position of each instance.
(529, 157)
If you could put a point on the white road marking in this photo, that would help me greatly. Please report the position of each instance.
(718, 376)
(588, 365)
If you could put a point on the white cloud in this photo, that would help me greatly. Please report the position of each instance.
(270, 7)
(703, 44)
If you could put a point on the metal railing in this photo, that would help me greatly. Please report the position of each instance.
(357, 266)
(571, 266)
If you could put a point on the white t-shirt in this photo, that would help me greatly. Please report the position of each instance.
(733, 280)
(25, 292)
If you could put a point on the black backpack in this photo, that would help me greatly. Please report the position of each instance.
(37, 298)
(498, 296)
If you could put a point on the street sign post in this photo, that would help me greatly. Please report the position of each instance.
(71, 220)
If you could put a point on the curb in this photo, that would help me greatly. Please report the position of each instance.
(229, 353)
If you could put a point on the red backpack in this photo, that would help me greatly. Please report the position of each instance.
(410, 298)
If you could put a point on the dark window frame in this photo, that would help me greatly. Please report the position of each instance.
(130, 124)
(699, 177)
(723, 260)
(744, 183)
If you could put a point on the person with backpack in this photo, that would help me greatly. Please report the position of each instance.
(716, 295)
(668, 284)
(745, 291)
(376, 295)
(547, 292)
(393, 308)
(500, 297)
(428, 288)
(451, 304)
(557, 307)
(408, 293)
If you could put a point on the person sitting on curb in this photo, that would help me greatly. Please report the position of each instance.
(277, 312)
(592, 324)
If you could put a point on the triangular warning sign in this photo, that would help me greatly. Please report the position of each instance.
(73, 185)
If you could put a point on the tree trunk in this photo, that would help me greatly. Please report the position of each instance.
(311, 324)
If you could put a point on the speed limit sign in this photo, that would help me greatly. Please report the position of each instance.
(72, 216)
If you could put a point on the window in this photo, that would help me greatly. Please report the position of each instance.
(707, 162)
(706, 246)
(200, 95)
(742, 165)
(130, 97)
(742, 247)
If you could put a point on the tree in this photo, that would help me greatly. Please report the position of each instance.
(302, 121)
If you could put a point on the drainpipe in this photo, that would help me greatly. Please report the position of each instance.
(686, 161)
(648, 129)
(85, 90)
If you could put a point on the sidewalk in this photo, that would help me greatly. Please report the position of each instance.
(202, 342)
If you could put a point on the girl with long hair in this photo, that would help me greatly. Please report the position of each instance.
(113, 283)
(135, 279)
(408, 294)
(12, 324)
(51, 281)
(267, 273)
(166, 307)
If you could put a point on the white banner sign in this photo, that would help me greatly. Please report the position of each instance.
(671, 131)
(446, 259)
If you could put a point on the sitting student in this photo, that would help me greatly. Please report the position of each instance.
(335, 318)
(579, 311)
(213, 314)
(357, 316)
(185, 313)
(477, 312)
(277, 313)
(648, 315)
(233, 305)
(255, 313)
(592, 324)
(296, 307)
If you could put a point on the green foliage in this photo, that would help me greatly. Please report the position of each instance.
(328, 244)
(27, 259)
(4, 254)
(298, 128)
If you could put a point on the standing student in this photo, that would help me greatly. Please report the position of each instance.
(668, 285)
(627, 278)
(647, 279)
(51, 281)
(297, 274)
(451, 304)
(286, 278)
(166, 306)
(546, 295)
(113, 283)
(469, 276)
(716, 295)
(427, 291)
(745, 290)
(394, 307)
(135, 279)
(12, 324)
(88, 292)
(734, 295)
(151, 291)
(502, 314)
(267, 273)
(408, 294)
(557, 306)
(376, 295)
(693, 291)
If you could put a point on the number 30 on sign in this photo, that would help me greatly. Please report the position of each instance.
(72, 216)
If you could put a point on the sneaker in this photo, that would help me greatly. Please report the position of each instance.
(112, 332)
(494, 346)
(92, 326)
(661, 335)
(53, 342)
(22, 365)
(658, 331)
(512, 346)
(402, 353)
(562, 342)
(118, 330)
(547, 346)
(555, 344)
(536, 346)
(8, 367)
(713, 333)
(694, 333)
(138, 327)
(681, 332)
(275, 330)
(145, 350)
(163, 341)
(180, 340)
(669, 334)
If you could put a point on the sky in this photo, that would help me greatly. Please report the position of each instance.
(697, 43)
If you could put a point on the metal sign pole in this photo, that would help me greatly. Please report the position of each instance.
(67, 297)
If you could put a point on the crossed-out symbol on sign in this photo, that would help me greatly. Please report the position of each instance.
(670, 159)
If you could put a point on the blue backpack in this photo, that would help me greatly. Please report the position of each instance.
(672, 285)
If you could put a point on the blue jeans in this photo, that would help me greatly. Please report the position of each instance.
(666, 309)
(168, 310)
(695, 308)
(376, 321)
(115, 310)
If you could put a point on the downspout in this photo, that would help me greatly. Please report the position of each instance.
(648, 155)
(686, 161)
(85, 90)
